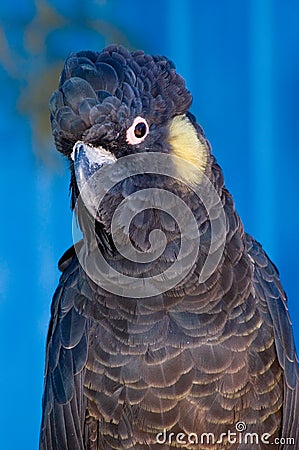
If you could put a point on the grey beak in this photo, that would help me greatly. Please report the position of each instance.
(87, 161)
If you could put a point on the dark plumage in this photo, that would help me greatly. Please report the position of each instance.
(198, 357)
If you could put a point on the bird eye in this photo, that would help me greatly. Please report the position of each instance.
(140, 129)
(137, 131)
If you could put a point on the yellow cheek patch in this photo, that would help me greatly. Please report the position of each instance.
(185, 144)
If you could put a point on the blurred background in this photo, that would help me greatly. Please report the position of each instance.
(241, 62)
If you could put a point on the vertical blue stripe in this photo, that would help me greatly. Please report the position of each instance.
(179, 36)
(262, 130)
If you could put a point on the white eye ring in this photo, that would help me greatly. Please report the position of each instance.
(137, 131)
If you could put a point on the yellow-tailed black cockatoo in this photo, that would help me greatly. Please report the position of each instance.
(169, 327)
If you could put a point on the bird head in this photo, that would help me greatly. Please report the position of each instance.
(114, 111)
(117, 103)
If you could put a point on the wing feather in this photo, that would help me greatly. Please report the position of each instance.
(273, 307)
(64, 404)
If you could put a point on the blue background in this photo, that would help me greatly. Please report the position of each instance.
(241, 62)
